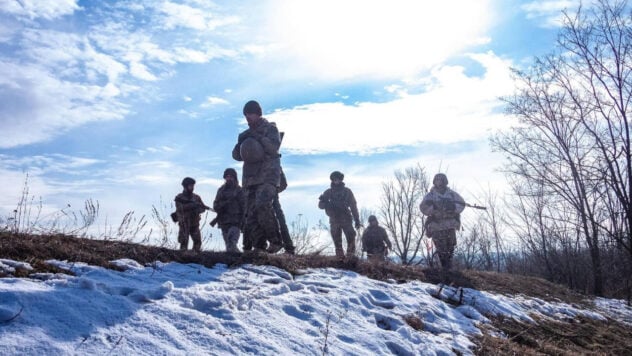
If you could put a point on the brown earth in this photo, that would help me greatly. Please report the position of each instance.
(580, 336)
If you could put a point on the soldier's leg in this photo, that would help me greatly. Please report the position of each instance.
(233, 239)
(225, 237)
(350, 235)
(250, 222)
(450, 246)
(266, 218)
(288, 245)
(336, 235)
(246, 242)
(440, 240)
(196, 236)
(183, 235)
(252, 229)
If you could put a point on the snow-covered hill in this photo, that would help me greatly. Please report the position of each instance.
(190, 309)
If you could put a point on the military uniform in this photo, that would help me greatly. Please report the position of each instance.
(229, 204)
(443, 210)
(375, 241)
(189, 206)
(260, 178)
(284, 232)
(341, 207)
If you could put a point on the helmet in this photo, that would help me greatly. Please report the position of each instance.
(251, 151)
(441, 177)
(188, 181)
(252, 107)
(372, 218)
(336, 175)
(230, 172)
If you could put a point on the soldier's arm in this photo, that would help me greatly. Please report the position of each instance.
(363, 239)
(386, 239)
(237, 152)
(353, 205)
(271, 141)
(459, 202)
(323, 201)
(185, 205)
(427, 206)
(218, 204)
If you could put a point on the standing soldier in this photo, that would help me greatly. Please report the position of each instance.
(443, 207)
(189, 206)
(375, 241)
(284, 232)
(341, 207)
(229, 205)
(258, 148)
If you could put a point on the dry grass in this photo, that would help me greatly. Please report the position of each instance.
(581, 336)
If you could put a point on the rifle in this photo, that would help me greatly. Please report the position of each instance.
(473, 206)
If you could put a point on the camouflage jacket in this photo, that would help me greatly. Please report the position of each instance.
(269, 170)
(443, 210)
(189, 207)
(229, 204)
(339, 204)
(374, 239)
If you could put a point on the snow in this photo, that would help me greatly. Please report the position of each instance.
(616, 309)
(9, 266)
(178, 309)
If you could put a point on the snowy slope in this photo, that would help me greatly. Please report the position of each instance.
(179, 309)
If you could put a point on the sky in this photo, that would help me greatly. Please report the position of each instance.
(118, 101)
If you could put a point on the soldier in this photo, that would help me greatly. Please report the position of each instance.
(189, 206)
(340, 205)
(443, 207)
(229, 204)
(258, 148)
(375, 241)
(284, 232)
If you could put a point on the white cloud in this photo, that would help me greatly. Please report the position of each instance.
(56, 80)
(33, 9)
(350, 39)
(213, 101)
(453, 108)
(549, 12)
(37, 104)
(198, 18)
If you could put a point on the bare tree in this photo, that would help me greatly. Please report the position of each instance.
(574, 139)
(306, 238)
(400, 212)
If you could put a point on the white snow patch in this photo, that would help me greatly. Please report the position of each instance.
(182, 309)
(126, 263)
(615, 309)
(10, 266)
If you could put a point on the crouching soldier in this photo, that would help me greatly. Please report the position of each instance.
(375, 241)
(443, 207)
(229, 204)
(341, 207)
(189, 206)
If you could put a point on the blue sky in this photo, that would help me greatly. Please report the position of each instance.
(119, 100)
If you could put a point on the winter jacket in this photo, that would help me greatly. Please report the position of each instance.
(339, 204)
(268, 170)
(375, 239)
(229, 204)
(189, 207)
(443, 210)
